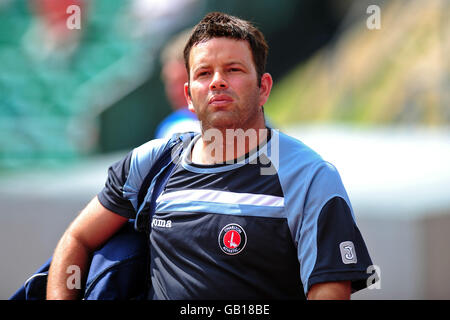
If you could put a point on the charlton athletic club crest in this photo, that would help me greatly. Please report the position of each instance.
(232, 239)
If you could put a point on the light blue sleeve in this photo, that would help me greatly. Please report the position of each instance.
(313, 190)
(324, 185)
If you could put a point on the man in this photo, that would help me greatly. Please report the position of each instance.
(174, 76)
(224, 227)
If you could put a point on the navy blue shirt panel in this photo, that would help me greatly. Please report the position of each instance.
(111, 196)
(187, 261)
(339, 259)
(247, 179)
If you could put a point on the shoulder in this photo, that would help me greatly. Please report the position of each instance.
(144, 156)
(294, 156)
(304, 174)
(149, 149)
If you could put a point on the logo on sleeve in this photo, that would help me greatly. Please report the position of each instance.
(232, 239)
(348, 253)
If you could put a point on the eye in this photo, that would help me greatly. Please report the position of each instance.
(202, 73)
(235, 69)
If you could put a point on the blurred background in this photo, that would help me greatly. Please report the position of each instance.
(364, 83)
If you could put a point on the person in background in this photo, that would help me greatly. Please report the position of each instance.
(174, 76)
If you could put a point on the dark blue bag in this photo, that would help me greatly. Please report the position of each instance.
(119, 270)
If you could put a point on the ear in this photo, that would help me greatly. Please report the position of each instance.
(187, 95)
(265, 88)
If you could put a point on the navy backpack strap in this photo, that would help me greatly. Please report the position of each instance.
(161, 170)
(119, 269)
(180, 140)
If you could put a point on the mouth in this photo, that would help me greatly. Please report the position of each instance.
(220, 100)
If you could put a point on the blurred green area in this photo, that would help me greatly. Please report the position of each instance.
(53, 90)
(99, 89)
(67, 94)
(398, 74)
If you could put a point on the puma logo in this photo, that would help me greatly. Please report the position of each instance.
(161, 223)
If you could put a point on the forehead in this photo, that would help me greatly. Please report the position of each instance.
(220, 50)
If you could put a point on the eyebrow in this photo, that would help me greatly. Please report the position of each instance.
(206, 65)
(235, 62)
(202, 66)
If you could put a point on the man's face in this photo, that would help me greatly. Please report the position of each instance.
(223, 84)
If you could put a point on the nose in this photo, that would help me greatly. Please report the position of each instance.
(218, 82)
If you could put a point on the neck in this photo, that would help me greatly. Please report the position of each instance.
(225, 145)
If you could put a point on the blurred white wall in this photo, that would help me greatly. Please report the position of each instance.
(397, 179)
(36, 207)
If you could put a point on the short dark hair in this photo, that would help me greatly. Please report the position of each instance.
(218, 24)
